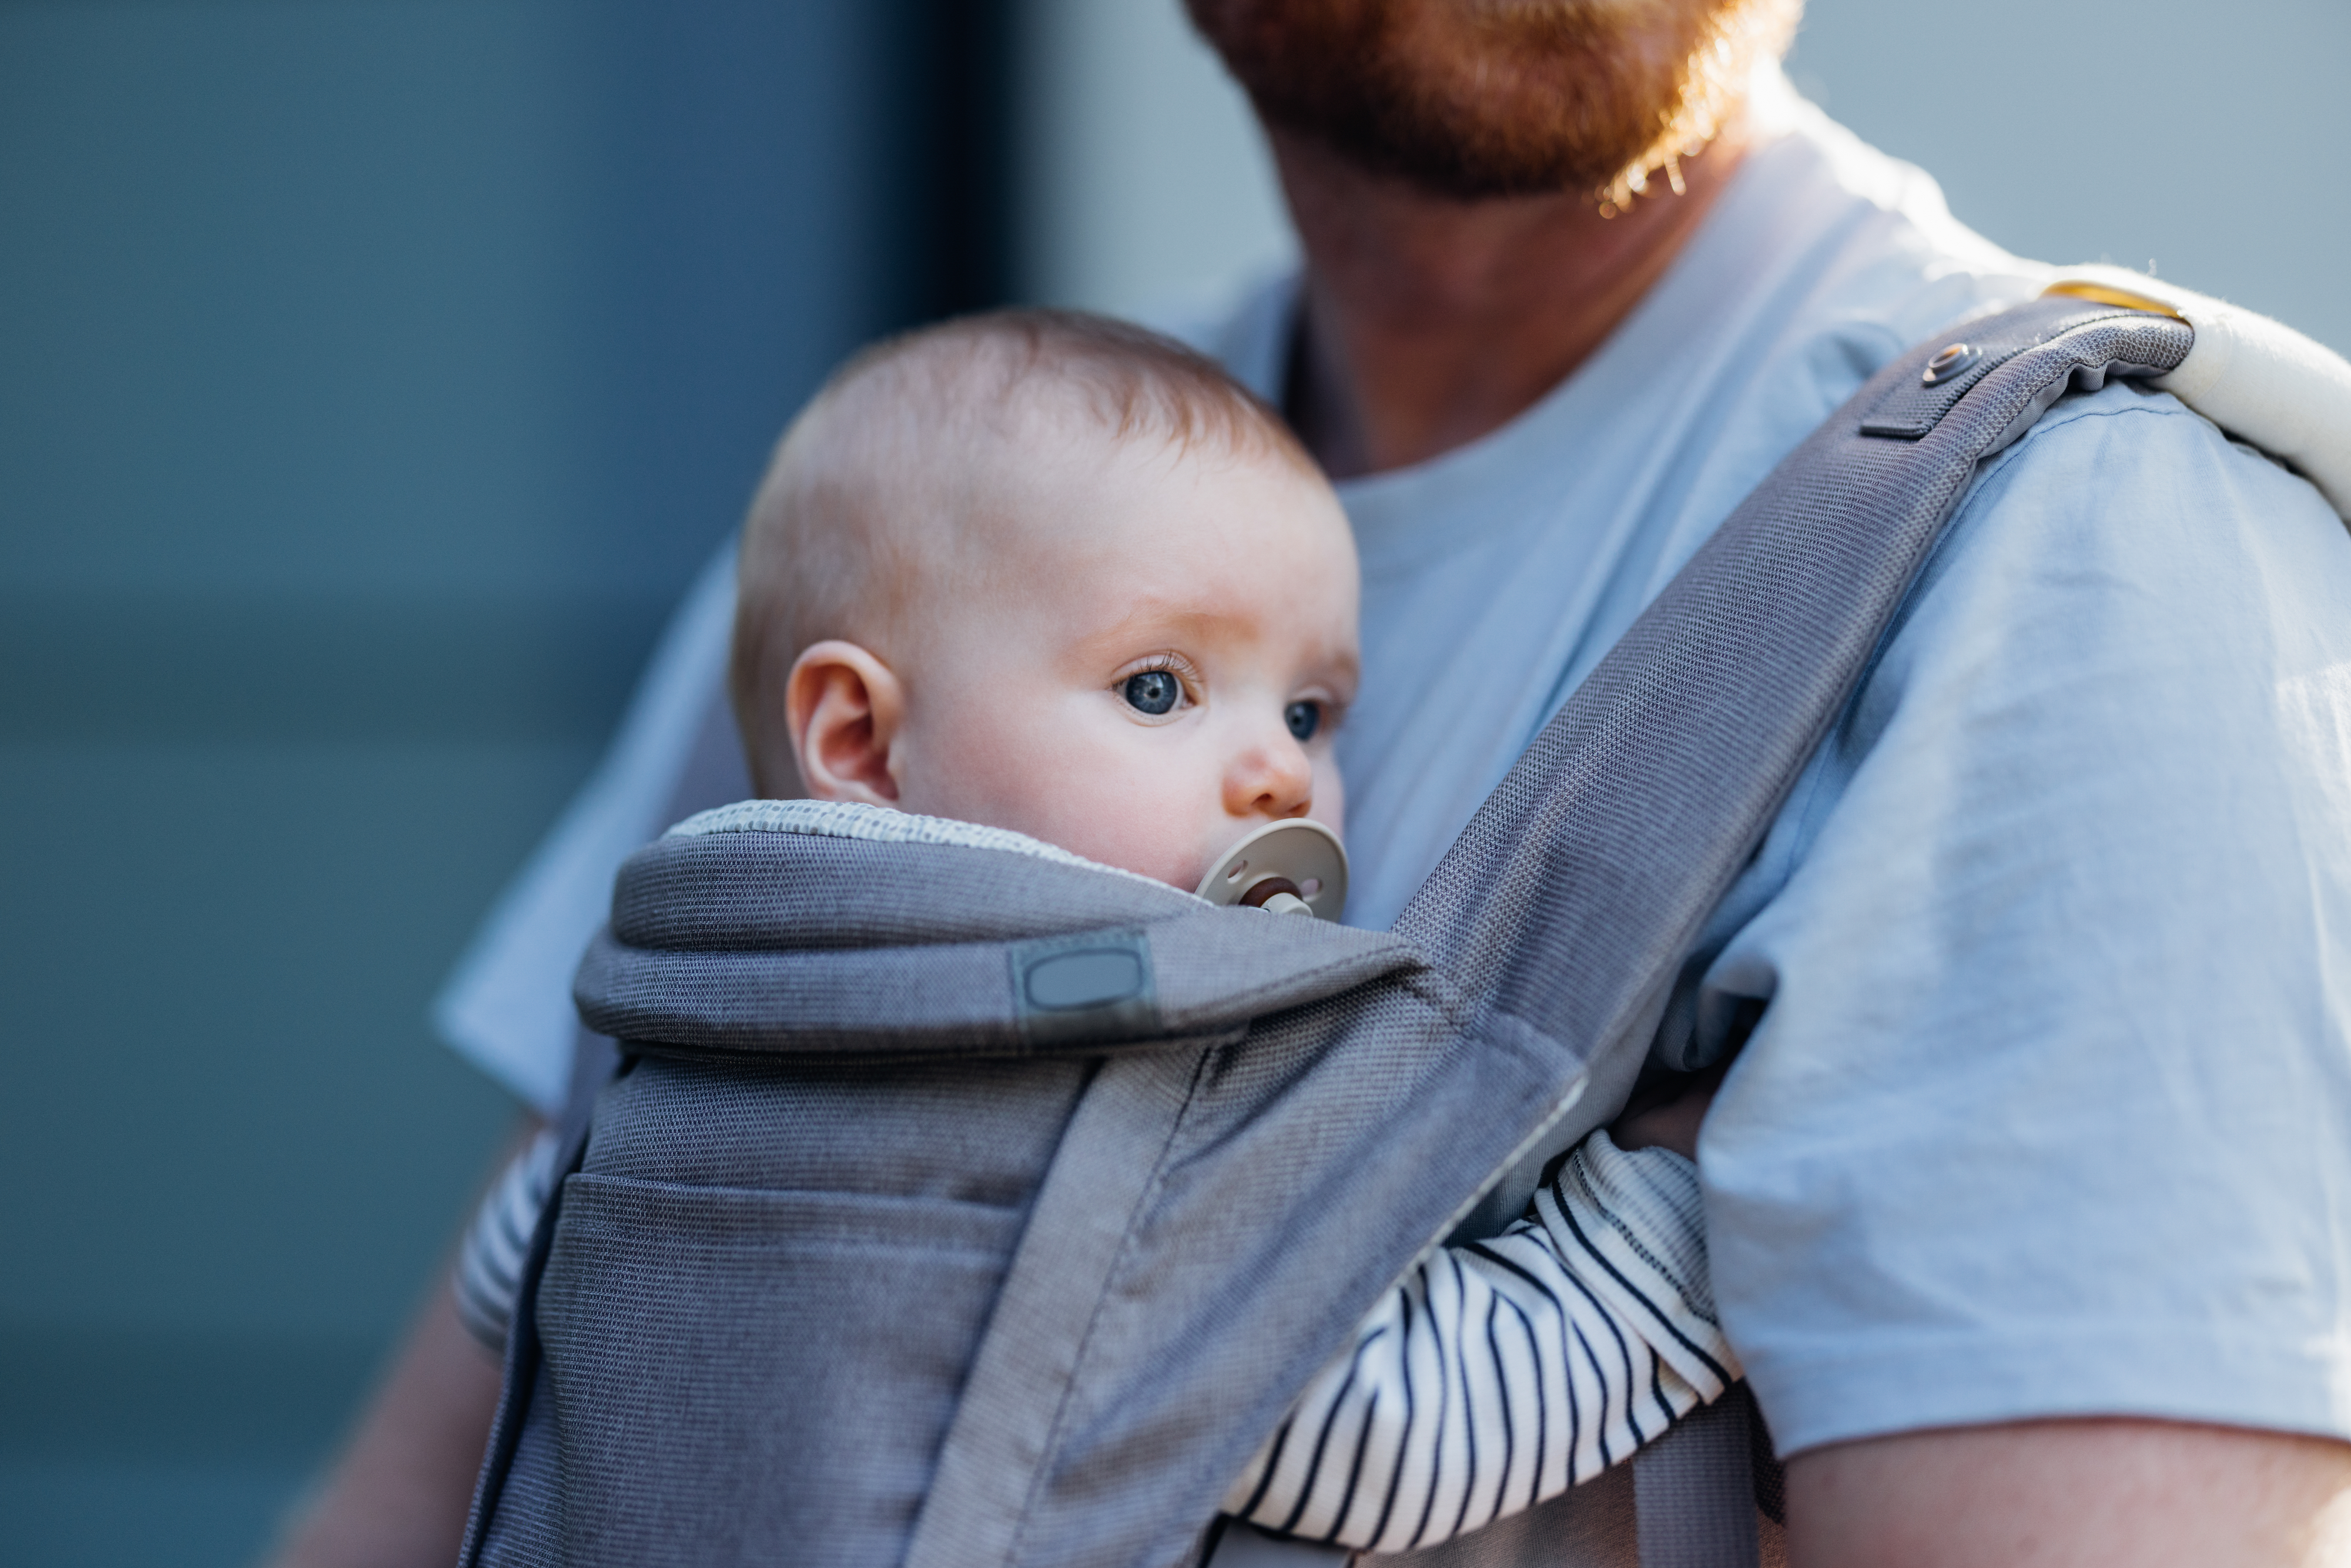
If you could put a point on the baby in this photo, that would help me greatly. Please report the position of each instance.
(1051, 573)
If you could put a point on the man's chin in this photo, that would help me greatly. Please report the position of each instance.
(1477, 99)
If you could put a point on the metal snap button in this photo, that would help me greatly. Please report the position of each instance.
(1949, 363)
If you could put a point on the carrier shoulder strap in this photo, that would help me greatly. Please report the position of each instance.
(1617, 833)
(1817, 561)
(1570, 900)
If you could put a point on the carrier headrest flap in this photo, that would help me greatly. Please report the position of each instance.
(803, 928)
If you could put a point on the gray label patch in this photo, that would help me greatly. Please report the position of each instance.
(1090, 977)
(1095, 984)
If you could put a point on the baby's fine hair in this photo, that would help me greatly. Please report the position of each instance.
(915, 441)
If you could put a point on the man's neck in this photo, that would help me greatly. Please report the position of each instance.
(1429, 322)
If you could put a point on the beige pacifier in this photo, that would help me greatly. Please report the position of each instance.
(1290, 867)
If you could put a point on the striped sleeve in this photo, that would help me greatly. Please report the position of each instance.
(490, 1264)
(1501, 1373)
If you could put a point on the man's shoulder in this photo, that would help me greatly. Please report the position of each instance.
(2125, 560)
(2131, 475)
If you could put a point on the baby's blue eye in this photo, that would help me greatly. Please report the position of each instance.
(1153, 692)
(1304, 719)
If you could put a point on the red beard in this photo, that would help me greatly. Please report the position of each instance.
(1472, 99)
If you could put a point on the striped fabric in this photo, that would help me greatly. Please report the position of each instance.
(1501, 1373)
(489, 1266)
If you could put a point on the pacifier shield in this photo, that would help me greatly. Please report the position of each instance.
(1294, 850)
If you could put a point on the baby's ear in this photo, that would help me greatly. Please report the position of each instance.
(844, 707)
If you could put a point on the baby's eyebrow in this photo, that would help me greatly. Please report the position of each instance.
(1165, 618)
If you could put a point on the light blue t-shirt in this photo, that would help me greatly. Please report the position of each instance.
(2050, 1109)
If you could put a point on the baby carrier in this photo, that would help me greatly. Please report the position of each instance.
(964, 1203)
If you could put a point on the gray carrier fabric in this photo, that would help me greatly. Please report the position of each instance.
(1694, 1490)
(966, 1207)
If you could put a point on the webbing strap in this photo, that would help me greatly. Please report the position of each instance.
(1693, 1490)
(1895, 461)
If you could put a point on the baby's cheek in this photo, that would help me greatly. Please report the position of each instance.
(1150, 809)
(992, 769)
(1080, 773)
(1170, 828)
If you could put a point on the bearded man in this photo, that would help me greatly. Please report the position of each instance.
(2027, 1189)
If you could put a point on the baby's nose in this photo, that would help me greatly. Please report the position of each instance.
(1271, 780)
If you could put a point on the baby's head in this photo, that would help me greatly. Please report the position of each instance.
(1052, 573)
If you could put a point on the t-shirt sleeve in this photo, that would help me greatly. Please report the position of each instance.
(1500, 1373)
(2047, 1108)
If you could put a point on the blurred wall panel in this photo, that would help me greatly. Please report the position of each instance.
(372, 378)
(2204, 139)
(1144, 179)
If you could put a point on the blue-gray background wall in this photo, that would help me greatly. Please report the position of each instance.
(374, 373)
(2205, 138)
(372, 376)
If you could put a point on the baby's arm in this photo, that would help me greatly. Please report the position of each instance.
(497, 1244)
(1503, 1372)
